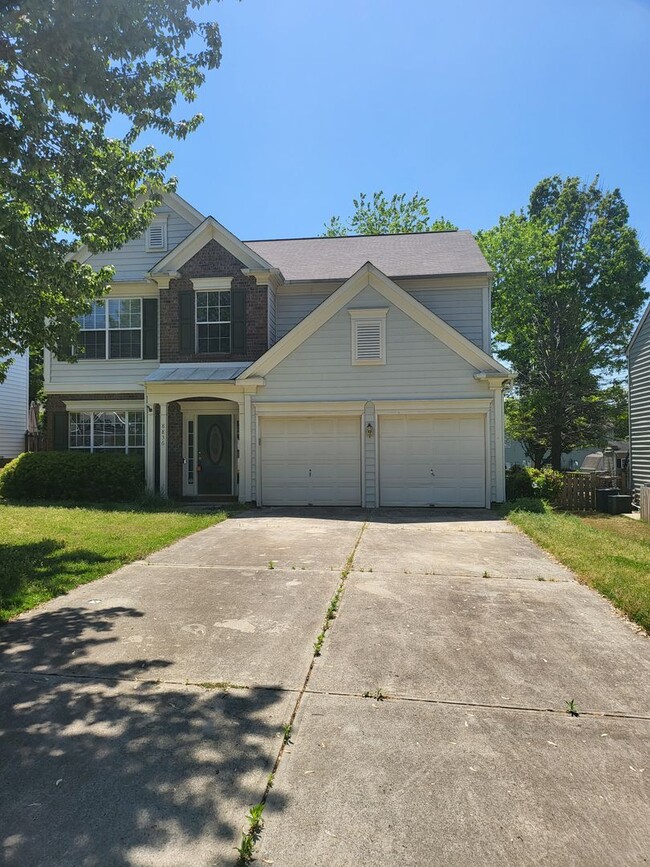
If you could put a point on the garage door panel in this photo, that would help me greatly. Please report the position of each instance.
(311, 461)
(432, 460)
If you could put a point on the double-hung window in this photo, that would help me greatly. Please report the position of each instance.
(213, 321)
(112, 431)
(112, 329)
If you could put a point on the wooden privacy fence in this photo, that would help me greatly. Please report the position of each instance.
(579, 490)
(35, 442)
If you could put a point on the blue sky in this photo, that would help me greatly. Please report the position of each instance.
(468, 102)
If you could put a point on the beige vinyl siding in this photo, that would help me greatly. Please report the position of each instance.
(14, 398)
(132, 262)
(111, 375)
(640, 407)
(418, 366)
(294, 306)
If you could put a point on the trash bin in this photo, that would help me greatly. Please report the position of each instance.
(602, 498)
(619, 504)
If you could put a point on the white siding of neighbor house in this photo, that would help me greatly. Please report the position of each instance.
(418, 366)
(14, 405)
(461, 305)
(639, 366)
(132, 262)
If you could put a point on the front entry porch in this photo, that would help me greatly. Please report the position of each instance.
(198, 433)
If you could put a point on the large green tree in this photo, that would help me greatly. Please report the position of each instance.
(381, 216)
(68, 70)
(567, 289)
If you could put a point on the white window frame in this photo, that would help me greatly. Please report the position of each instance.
(92, 449)
(161, 221)
(108, 329)
(368, 315)
(204, 290)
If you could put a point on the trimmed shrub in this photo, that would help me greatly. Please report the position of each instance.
(529, 483)
(76, 476)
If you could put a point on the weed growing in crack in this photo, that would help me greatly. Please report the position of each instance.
(220, 684)
(378, 694)
(571, 707)
(271, 564)
(318, 644)
(246, 848)
(286, 733)
(270, 781)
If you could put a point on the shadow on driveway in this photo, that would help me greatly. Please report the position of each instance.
(99, 769)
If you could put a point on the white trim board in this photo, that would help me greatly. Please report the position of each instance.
(369, 275)
(209, 230)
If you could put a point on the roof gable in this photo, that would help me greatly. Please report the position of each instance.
(369, 275)
(209, 230)
(639, 328)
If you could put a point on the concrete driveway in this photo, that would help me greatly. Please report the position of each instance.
(140, 715)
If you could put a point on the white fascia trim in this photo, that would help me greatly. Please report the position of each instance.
(265, 276)
(102, 405)
(369, 275)
(311, 408)
(215, 407)
(205, 284)
(209, 230)
(459, 406)
(103, 388)
(638, 328)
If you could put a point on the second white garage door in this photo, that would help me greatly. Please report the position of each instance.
(428, 460)
(311, 461)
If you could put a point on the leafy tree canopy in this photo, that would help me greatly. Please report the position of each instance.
(381, 216)
(567, 289)
(68, 68)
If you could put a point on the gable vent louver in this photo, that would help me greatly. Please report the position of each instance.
(156, 237)
(368, 341)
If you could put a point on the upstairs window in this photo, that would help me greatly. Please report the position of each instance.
(112, 329)
(156, 236)
(213, 321)
(368, 336)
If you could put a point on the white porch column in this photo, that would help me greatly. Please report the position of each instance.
(499, 445)
(163, 449)
(150, 446)
(245, 449)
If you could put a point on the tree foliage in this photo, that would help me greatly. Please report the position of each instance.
(381, 216)
(567, 288)
(68, 69)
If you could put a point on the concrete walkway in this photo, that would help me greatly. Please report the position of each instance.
(141, 715)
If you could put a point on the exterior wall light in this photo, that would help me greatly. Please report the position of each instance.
(370, 431)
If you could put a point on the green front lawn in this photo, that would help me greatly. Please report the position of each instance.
(47, 550)
(609, 553)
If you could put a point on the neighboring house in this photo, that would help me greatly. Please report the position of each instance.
(572, 460)
(638, 353)
(14, 407)
(326, 371)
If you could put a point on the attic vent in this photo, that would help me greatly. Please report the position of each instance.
(157, 237)
(368, 336)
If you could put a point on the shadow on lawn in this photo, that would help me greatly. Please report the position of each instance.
(98, 768)
(42, 567)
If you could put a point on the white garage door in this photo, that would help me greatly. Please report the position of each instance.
(311, 461)
(428, 460)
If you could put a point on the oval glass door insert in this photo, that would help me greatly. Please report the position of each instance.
(215, 444)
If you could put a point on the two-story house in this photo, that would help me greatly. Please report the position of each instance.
(325, 371)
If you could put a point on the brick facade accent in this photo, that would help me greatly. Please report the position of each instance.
(213, 260)
(56, 403)
(174, 450)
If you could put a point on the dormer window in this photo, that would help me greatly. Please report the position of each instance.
(156, 238)
(369, 336)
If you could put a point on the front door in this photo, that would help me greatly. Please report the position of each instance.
(214, 455)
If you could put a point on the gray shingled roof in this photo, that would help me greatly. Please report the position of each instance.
(396, 255)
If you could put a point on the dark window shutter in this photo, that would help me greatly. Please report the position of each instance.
(60, 430)
(238, 313)
(186, 321)
(150, 328)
